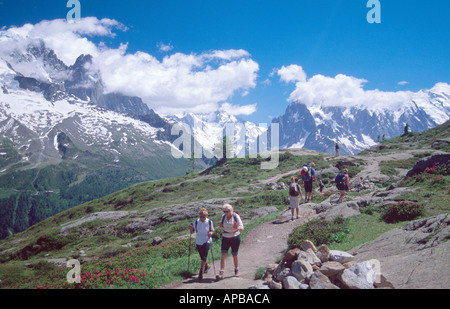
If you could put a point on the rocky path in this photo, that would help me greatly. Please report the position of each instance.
(261, 247)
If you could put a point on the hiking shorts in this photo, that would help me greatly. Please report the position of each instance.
(233, 242)
(342, 187)
(308, 186)
(203, 250)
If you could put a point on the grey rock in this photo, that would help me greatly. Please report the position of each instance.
(301, 270)
(320, 281)
(414, 256)
(157, 241)
(359, 276)
(109, 215)
(291, 283)
(340, 256)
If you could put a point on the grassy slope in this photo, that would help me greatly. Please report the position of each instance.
(167, 261)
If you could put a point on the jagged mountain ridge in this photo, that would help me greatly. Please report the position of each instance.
(357, 128)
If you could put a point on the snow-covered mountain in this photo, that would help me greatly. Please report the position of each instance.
(356, 128)
(34, 114)
(209, 129)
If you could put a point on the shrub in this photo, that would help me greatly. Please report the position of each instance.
(175, 249)
(402, 211)
(319, 232)
(438, 169)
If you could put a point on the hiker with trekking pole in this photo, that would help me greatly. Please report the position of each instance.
(204, 229)
(231, 237)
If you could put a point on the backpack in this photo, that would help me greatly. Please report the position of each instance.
(234, 216)
(340, 180)
(294, 191)
(306, 175)
(210, 223)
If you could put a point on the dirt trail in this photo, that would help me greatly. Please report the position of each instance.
(261, 247)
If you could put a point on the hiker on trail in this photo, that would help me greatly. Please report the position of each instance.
(231, 237)
(295, 193)
(308, 175)
(337, 149)
(204, 229)
(343, 185)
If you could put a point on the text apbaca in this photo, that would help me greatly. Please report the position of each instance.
(246, 299)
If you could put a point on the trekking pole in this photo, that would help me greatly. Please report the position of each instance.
(214, 265)
(189, 256)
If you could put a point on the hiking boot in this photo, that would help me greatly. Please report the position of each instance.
(220, 275)
(200, 274)
(236, 272)
(206, 268)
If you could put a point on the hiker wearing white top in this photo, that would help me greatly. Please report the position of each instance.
(231, 237)
(295, 193)
(204, 229)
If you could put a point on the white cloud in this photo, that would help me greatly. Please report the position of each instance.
(402, 83)
(235, 110)
(68, 40)
(164, 48)
(177, 83)
(292, 73)
(341, 90)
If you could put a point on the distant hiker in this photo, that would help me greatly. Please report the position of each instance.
(337, 149)
(231, 237)
(294, 194)
(321, 185)
(204, 228)
(308, 175)
(343, 184)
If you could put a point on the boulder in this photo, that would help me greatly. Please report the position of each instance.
(309, 257)
(301, 270)
(157, 241)
(359, 276)
(291, 256)
(414, 256)
(323, 253)
(274, 285)
(328, 211)
(320, 281)
(422, 164)
(307, 244)
(291, 283)
(340, 256)
(332, 269)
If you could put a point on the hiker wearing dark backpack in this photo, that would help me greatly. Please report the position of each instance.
(295, 193)
(343, 184)
(231, 237)
(308, 175)
(204, 229)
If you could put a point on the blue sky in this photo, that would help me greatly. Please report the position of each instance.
(410, 46)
